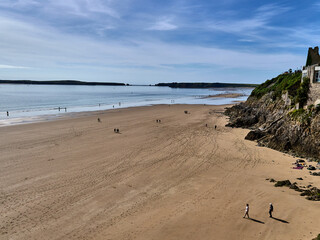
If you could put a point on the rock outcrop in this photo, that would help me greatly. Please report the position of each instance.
(286, 125)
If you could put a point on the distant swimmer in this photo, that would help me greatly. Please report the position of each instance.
(7, 113)
(246, 211)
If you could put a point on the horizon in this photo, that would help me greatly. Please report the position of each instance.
(147, 42)
(3, 81)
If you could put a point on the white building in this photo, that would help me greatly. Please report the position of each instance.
(312, 71)
(312, 68)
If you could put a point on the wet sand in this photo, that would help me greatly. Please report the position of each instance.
(77, 179)
(226, 95)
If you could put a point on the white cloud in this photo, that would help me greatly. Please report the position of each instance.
(18, 3)
(84, 8)
(270, 10)
(27, 45)
(164, 24)
(11, 67)
(244, 27)
(252, 26)
(317, 4)
(246, 40)
(42, 47)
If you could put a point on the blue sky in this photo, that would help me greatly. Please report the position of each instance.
(149, 41)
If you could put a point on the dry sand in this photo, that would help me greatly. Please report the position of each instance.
(77, 179)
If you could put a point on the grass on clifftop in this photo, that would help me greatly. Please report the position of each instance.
(286, 82)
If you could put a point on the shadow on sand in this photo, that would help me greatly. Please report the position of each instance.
(255, 220)
(280, 220)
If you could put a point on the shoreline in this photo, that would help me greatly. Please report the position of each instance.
(60, 116)
(105, 99)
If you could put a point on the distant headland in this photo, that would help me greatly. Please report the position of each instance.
(205, 85)
(61, 82)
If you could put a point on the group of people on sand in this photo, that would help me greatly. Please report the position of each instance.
(247, 210)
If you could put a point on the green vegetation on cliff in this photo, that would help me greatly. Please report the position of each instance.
(289, 82)
(302, 92)
(301, 115)
(286, 82)
(278, 124)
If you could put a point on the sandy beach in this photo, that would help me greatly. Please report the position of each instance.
(77, 179)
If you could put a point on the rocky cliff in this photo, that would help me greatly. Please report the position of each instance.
(278, 117)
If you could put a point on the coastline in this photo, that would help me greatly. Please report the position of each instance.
(71, 115)
(28, 102)
(178, 179)
(222, 99)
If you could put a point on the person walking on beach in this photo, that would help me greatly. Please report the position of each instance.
(247, 211)
(270, 210)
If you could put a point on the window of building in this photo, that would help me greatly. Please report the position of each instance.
(317, 73)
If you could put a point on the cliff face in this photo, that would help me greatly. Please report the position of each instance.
(276, 121)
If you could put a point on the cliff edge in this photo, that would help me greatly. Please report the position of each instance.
(279, 117)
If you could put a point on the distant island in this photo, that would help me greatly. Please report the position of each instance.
(205, 85)
(61, 82)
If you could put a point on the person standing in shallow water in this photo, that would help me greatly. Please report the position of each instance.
(247, 211)
(270, 210)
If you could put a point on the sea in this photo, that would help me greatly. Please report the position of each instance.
(30, 103)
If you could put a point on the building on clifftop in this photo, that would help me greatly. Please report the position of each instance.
(312, 71)
(312, 68)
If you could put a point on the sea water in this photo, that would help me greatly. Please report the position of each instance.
(27, 103)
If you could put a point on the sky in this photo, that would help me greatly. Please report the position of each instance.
(152, 41)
